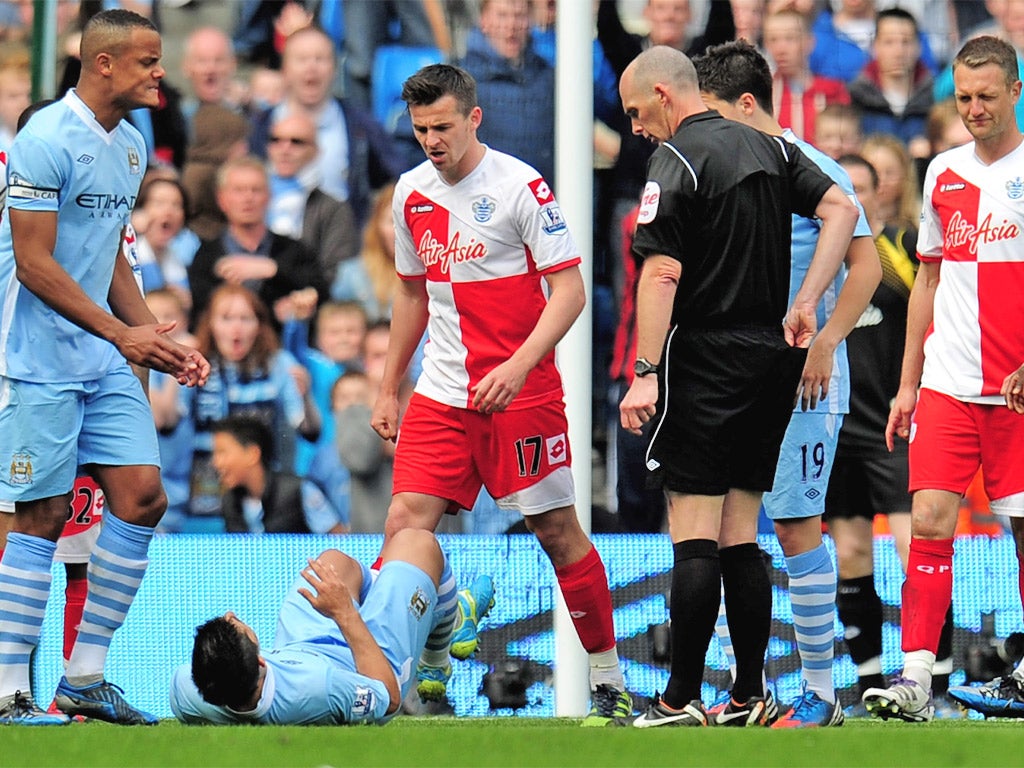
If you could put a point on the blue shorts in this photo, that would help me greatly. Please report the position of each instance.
(398, 610)
(805, 464)
(48, 430)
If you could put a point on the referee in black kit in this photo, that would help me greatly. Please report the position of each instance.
(718, 367)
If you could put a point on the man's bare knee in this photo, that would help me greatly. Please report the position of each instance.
(413, 511)
(418, 547)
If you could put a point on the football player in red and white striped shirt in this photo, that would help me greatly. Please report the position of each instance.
(965, 343)
(479, 236)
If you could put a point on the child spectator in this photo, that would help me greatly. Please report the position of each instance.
(837, 131)
(894, 92)
(165, 246)
(174, 433)
(945, 129)
(798, 95)
(368, 459)
(258, 499)
(15, 97)
(371, 279)
(266, 90)
(340, 330)
(250, 375)
(898, 193)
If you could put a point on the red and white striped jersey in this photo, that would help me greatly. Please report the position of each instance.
(482, 246)
(972, 221)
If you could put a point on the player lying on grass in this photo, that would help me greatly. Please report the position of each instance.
(345, 648)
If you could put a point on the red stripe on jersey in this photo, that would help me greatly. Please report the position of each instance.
(1000, 294)
(428, 223)
(956, 201)
(493, 328)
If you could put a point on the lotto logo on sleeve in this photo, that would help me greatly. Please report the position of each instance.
(649, 203)
(541, 191)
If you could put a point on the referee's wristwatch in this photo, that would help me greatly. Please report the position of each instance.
(644, 367)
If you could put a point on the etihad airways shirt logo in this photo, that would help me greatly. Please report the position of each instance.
(432, 252)
(961, 232)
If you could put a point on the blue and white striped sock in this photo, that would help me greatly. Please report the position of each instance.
(435, 654)
(812, 593)
(724, 638)
(24, 589)
(116, 568)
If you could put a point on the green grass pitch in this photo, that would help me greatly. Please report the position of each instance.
(480, 743)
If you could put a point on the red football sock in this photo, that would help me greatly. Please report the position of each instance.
(584, 586)
(927, 593)
(74, 604)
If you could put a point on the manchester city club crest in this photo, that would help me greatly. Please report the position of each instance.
(419, 603)
(21, 469)
(134, 164)
(1015, 188)
(483, 209)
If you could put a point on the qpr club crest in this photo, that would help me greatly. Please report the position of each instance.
(1015, 188)
(483, 209)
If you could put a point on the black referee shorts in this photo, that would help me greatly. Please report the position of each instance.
(725, 401)
(864, 487)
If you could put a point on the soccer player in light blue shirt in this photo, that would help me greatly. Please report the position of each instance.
(735, 80)
(72, 316)
(345, 647)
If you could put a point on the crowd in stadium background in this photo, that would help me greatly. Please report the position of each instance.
(311, 91)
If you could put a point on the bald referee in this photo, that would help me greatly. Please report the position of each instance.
(718, 367)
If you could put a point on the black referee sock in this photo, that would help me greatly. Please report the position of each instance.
(860, 610)
(693, 608)
(748, 607)
(944, 657)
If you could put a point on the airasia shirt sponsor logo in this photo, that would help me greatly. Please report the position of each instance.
(432, 252)
(541, 191)
(961, 232)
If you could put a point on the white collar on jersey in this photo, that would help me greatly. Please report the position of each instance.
(76, 105)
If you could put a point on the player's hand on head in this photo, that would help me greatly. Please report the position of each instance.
(496, 390)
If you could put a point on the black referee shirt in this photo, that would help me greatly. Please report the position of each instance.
(718, 198)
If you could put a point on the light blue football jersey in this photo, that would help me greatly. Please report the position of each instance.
(63, 160)
(303, 686)
(805, 239)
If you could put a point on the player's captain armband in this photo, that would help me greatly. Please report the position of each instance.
(23, 189)
(649, 203)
